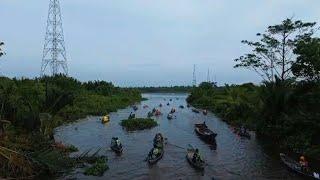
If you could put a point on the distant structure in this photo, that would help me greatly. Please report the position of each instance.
(208, 76)
(194, 80)
(54, 51)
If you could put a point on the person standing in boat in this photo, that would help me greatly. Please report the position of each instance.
(303, 163)
(196, 156)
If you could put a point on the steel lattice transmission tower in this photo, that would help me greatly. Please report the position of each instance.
(54, 51)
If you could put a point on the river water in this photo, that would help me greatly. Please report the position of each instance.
(233, 157)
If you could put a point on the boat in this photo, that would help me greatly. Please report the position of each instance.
(242, 133)
(170, 99)
(205, 133)
(135, 108)
(150, 114)
(131, 116)
(154, 159)
(116, 147)
(181, 106)
(170, 116)
(105, 119)
(168, 104)
(157, 113)
(145, 106)
(296, 167)
(205, 112)
(160, 105)
(198, 165)
(195, 111)
(173, 110)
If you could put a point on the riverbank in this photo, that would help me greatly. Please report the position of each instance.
(32, 108)
(284, 112)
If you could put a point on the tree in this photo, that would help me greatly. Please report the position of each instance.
(307, 65)
(273, 54)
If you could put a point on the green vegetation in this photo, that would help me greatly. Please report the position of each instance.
(98, 168)
(30, 109)
(285, 107)
(172, 89)
(138, 123)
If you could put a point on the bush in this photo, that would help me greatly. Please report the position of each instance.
(99, 167)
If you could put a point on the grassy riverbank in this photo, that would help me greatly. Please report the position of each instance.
(138, 124)
(32, 108)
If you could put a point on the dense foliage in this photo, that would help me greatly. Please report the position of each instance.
(31, 108)
(285, 107)
(138, 124)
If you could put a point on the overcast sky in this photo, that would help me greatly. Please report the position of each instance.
(144, 42)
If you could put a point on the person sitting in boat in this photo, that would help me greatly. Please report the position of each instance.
(156, 152)
(196, 156)
(243, 130)
(303, 162)
(118, 143)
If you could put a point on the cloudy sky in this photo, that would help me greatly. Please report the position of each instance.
(144, 42)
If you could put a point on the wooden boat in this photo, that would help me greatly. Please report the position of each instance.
(115, 147)
(157, 113)
(105, 119)
(170, 116)
(198, 165)
(131, 116)
(242, 134)
(173, 110)
(153, 160)
(150, 114)
(135, 108)
(296, 167)
(195, 111)
(205, 133)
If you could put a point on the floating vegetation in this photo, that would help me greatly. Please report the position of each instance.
(138, 124)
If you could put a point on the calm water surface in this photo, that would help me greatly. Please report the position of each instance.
(232, 158)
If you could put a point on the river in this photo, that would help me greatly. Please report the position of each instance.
(232, 158)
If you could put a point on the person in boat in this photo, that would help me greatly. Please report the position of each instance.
(243, 130)
(157, 140)
(303, 163)
(196, 156)
(118, 143)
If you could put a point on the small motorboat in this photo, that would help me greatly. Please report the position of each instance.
(195, 111)
(150, 114)
(198, 164)
(157, 113)
(116, 146)
(170, 116)
(105, 119)
(242, 132)
(131, 116)
(135, 108)
(173, 110)
(205, 133)
(154, 158)
(296, 167)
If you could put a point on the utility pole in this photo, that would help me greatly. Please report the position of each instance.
(194, 80)
(54, 51)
